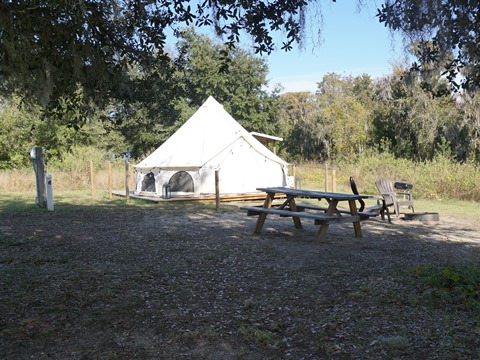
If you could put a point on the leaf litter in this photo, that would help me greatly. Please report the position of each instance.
(191, 283)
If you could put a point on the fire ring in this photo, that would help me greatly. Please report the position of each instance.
(426, 216)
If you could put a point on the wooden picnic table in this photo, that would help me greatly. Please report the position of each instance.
(323, 216)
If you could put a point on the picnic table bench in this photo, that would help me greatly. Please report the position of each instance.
(300, 212)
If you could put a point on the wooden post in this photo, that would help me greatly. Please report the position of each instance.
(217, 190)
(91, 177)
(39, 166)
(49, 185)
(127, 180)
(326, 177)
(294, 176)
(110, 181)
(334, 180)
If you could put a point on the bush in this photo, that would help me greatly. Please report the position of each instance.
(78, 159)
(441, 178)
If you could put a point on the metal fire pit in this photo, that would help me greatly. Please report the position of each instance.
(426, 216)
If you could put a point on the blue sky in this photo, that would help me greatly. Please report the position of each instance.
(354, 43)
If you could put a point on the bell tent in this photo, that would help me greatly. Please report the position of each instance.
(211, 140)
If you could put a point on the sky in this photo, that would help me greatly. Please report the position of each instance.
(353, 43)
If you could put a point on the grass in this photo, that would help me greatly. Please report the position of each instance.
(264, 337)
(313, 177)
(439, 179)
(24, 202)
(468, 210)
(461, 209)
(70, 200)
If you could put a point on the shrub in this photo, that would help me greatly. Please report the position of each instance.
(451, 284)
(441, 178)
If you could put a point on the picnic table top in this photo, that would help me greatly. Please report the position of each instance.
(312, 193)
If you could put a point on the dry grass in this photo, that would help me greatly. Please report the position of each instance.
(77, 179)
(438, 180)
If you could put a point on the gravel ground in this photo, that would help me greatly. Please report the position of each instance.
(186, 282)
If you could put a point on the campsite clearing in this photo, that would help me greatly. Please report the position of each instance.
(182, 281)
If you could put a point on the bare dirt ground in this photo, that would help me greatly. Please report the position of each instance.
(186, 282)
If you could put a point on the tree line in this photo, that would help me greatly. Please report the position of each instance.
(81, 50)
(100, 73)
(413, 116)
(410, 118)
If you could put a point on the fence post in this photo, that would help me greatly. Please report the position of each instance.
(217, 190)
(49, 192)
(334, 180)
(326, 177)
(292, 176)
(91, 177)
(110, 180)
(36, 154)
(127, 179)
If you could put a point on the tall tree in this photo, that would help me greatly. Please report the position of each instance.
(51, 48)
(15, 134)
(306, 136)
(334, 122)
(468, 141)
(240, 85)
(345, 104)
(446, 34)
(170, 98)
(412, 119)
(22, 128)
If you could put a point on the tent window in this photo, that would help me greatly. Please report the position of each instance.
(148, 183)
(181, 181)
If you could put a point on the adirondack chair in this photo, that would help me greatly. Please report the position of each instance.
(380, 207)
(393, 197)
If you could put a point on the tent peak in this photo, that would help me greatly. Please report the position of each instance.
(211, 102)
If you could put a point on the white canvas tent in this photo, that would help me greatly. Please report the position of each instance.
(211, 140)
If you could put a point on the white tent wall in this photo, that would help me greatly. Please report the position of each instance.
(212, 140)
(243, 169)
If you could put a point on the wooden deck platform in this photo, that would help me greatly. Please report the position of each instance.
(207, 197)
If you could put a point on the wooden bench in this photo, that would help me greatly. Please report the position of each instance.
(374, 209)
(318, 218)
(371, 211)
(256, 210)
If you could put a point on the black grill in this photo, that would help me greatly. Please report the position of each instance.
(403, 185)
